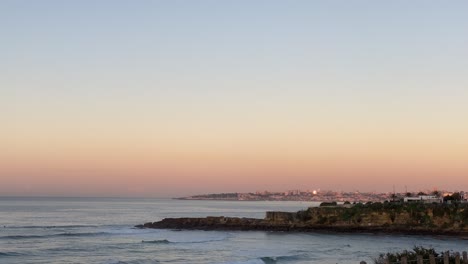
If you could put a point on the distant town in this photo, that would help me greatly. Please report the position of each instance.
(334, 196)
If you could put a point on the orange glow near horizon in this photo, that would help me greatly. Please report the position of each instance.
(188, 165)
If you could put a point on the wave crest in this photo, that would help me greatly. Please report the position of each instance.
(161, 241)
(54, 235)
(271, 260)
(137, 261)
(49, 226)
(10, 254)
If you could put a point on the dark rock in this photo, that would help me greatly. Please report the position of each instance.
(371, 219)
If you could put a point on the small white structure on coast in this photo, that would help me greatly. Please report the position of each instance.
(424, 199)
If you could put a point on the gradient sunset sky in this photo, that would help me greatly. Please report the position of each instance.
(171, 98)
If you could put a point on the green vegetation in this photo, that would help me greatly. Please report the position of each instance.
(455, 197)
(328, 204)
(397, 214)
(395, 257)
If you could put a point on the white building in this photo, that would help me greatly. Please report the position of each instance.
(424, 199)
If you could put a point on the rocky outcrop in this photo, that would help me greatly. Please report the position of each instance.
(213, 223)
(388, 218)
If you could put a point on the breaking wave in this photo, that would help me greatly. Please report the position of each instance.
(10, 254)
(137, 261)
(49, 226)
(162, 241)
(166, 241)
(270, 260)
(54, 235)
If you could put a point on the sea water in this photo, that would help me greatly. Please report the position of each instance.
(101, 230)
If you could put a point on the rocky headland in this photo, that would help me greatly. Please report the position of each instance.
(388, 217)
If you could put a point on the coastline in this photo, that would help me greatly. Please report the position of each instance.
(255, 224)
(377, 218)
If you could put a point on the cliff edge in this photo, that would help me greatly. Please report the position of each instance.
(386, 217)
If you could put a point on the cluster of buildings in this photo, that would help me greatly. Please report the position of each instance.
(297, 195)
(424, 199)
(316, 196)
(441, 198)
(332, 196)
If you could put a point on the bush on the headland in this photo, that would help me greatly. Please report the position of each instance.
(395, 257)
(328, 204)
(449, 217)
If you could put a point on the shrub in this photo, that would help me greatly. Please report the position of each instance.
(395, 257)
(328, 204)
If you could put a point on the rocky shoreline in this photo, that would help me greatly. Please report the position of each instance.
(365, 219)
(251, 224)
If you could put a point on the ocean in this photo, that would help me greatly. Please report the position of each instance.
(101, 230)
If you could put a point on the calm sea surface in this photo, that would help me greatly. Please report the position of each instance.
(100, 230)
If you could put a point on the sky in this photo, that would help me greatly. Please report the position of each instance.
(174, 98)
